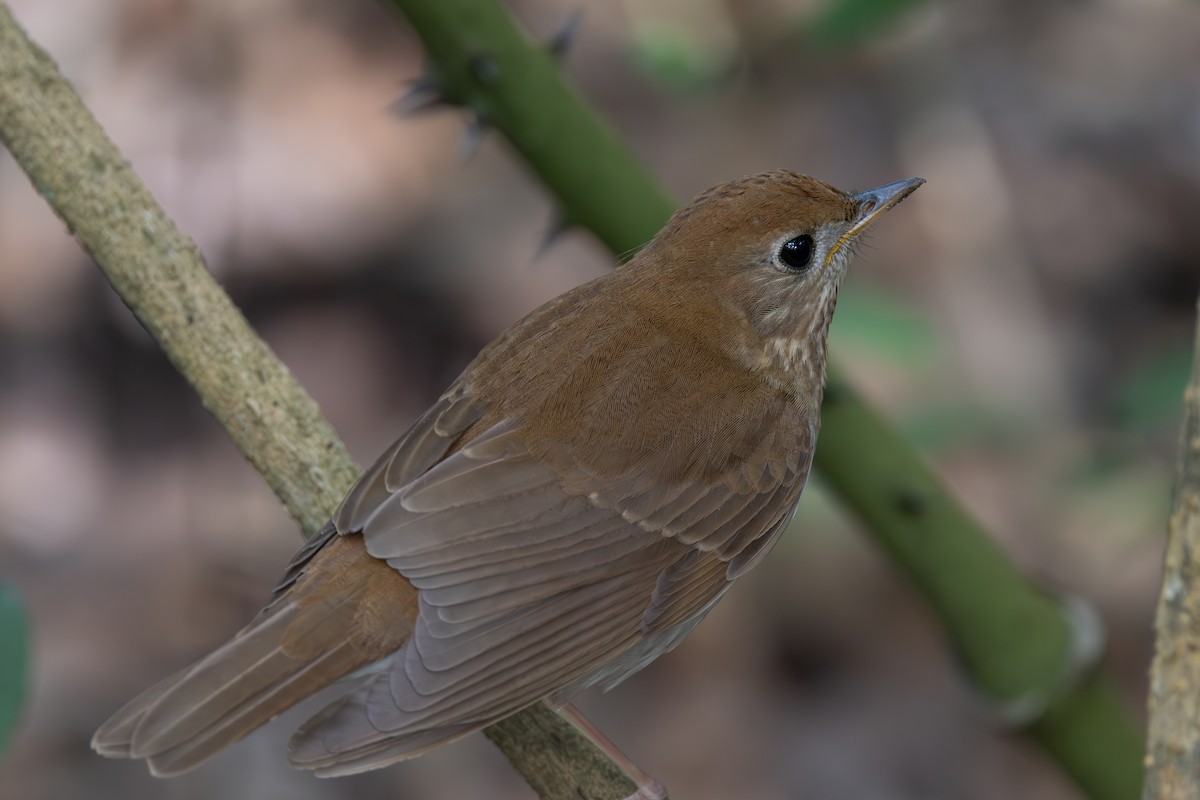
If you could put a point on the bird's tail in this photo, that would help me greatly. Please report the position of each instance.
(310, 638)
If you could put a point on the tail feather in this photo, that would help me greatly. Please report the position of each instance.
(309, 749)
(114, 739)
(196, 713)
(262, 708)
(319, 632)
(215, 686)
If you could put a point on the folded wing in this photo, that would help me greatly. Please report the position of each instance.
(531, 580)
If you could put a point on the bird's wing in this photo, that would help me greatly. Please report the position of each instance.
(425, 443)
(530, 578)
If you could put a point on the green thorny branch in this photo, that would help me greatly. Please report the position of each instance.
(1033, 655)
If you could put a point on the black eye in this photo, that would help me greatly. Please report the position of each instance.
(797, 253)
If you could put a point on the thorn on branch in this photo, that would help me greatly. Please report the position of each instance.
(558, 226)
(485, 69)
(912, 503)
(423, 95)
(564, 38)
(472, 138)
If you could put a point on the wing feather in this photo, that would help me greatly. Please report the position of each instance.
(537, 571)
(426, 443)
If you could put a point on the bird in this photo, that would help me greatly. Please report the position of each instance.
(568, 510)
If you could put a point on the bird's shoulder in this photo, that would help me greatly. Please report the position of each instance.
(605, 382)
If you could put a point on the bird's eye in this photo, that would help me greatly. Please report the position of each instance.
(797, 253)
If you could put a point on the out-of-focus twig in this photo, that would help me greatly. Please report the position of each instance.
(1172, 767)
(160, 274)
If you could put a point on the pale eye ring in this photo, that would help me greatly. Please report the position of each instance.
(797, 254)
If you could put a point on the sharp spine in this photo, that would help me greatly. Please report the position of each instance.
(423, 95)
(472, 138)
(564, 38)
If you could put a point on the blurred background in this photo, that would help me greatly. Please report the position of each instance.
(1026, 319)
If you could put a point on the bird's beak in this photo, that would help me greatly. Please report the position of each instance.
(873, 203)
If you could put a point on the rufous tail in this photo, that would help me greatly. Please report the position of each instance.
(344, 612)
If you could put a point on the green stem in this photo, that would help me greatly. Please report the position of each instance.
(478, 59)
(1013, 640)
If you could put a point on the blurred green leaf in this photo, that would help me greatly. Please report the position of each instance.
(874, 321)
(844, 23)
(14, 655)
(1151, 395)
(678, 61)
(938, 427)
(1128, 502)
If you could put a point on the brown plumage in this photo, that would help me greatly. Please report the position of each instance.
(568, 510)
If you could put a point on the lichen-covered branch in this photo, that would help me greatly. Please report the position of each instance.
(555, 760)
(160, 274)
(1173, 769)
(1014, 640)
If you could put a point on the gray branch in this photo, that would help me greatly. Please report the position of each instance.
(1173, 750)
